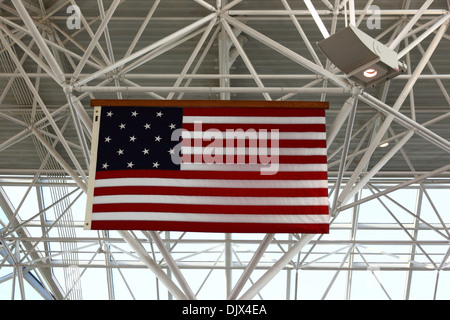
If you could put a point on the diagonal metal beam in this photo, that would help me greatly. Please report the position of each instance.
(56, 68)
(317, 19)
(8, 209)
(288, 53)
(419, 179)
(277, 267)
(193, 56)
(152, 265)
(390, 118)
(172, 265)
(251, 266)
(244, 57)
(176, 35)
(410, 24)
(48, 117)
(345, 149)
(95, 39)
(142, 28)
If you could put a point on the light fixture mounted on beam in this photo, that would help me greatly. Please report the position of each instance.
(363, 59)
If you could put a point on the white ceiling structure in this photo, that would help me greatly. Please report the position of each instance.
(390, 218)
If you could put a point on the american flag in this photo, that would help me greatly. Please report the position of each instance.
(209, 169)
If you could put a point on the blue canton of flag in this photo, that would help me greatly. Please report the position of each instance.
(138, 138)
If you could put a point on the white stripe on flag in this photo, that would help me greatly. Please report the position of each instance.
(207, 200)
(206, 183)
(255, 120)
(208, 135)
(254, 167)
(217, 218)
(256, 151)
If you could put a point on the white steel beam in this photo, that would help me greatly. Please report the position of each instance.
(93, 61)
(424, 35)
(277, 267)
(8, 209)
(244, 57)
(56, 68)
(394, 12)
(142, 28)
(158, 51)
(48, 117)
(317, 19)
(172, 265)
(288, 53)
(152, 265)
(302, 34)
(29, 52)
(206, 5)
(410, 24)
(193, 56)
(407, 122)
(91, 34)
(251, 266)
(95, 39)
(176, 35)
(405, 184)
(351, 4)
(274, 90)
(347, 140)
(207, 48)
(230, 5)
(390, 118)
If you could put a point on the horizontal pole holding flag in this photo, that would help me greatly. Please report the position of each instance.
(209, 103)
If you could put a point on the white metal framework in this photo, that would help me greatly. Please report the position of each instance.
(390, 215)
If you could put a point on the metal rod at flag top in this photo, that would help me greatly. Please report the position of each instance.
(209, 103)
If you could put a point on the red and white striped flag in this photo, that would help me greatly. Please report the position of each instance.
(209, 169)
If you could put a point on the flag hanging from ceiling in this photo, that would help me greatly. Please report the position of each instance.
(209, 166)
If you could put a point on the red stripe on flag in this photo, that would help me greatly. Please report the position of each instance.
(207, 209)
(223, 127)
(210, 227)
(211, 175)
(310, 144)
(220, 192)
(253, 112)
(255, 159)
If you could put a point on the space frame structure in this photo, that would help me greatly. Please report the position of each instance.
(388, 147)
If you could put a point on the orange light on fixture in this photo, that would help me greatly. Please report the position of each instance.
(370, 73)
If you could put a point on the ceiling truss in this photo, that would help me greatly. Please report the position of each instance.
(48, 251)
